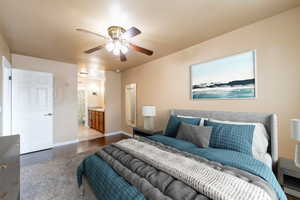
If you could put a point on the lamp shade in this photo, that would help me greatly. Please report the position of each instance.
(149, 111)
(295, 126)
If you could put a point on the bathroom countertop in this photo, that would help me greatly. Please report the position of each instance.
(97, 109)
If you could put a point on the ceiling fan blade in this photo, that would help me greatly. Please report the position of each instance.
(122, 57)
(93, 49)
(140, 49)
(93, 33)
(131, 33)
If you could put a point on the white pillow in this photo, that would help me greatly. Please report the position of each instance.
(265, 158)
(184, 116)
(202, 121)
(260, 140)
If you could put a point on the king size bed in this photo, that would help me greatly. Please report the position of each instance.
(232, 158)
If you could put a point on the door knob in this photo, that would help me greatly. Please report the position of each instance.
(49, 114)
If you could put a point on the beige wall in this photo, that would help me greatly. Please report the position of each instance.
(65, 93)
(93, 100)
(112, 102)
(4, 51)
(165, 82)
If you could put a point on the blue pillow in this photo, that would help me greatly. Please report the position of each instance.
(231, 136)
(174, 123)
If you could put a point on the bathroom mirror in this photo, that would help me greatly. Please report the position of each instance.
(130, 104)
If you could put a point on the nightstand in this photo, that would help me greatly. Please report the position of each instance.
(144, 132)
(289, 177)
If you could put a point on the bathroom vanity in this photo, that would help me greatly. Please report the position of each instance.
(96, 119)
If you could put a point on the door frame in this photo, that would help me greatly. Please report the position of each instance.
(86, 124)
(6, 100)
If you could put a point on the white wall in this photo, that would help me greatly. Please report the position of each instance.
(93, 100)
(65, 95)
(112, 96)
(165, 82)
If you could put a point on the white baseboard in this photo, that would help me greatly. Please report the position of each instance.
(128, 134)
(77, 140)
(117, 133)
(113, 133)
(65, 143)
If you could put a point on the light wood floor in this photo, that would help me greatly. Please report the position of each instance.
(85, 133)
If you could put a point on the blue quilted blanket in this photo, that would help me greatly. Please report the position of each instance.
(227, 157)
(108, 185)
(105, 182)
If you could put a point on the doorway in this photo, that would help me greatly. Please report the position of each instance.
(83, 107)
(90, 99)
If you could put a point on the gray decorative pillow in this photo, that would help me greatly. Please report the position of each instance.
(198, 135)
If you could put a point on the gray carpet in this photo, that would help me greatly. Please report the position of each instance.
(52, 180)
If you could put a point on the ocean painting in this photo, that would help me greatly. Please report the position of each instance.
(232, 77)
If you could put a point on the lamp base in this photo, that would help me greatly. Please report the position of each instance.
(297, 155)
(149, 123)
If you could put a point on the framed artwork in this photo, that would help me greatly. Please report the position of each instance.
(231, 77)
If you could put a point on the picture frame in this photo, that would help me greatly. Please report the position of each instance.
(230, 77)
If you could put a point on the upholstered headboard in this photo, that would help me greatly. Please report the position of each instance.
(269, 120)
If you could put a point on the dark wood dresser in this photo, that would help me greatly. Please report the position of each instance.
(10, 167)
(96, 120)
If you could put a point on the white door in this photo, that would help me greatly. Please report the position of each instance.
(6, 97)
(32, 109)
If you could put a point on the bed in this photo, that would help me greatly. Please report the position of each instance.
(160, 167)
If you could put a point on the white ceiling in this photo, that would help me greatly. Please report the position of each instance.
(46, 28)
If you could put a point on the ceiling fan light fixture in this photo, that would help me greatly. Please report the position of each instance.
(110, 46)
(118, 42)
(116, 51)
(124, 49)
(118, 45)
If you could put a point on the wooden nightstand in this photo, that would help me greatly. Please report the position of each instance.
(289, 177)
(144, 132)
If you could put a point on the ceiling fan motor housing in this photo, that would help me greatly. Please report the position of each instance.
(115, 32)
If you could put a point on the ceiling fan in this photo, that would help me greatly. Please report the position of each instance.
(118, 42)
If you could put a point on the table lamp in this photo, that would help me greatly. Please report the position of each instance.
(149, 112)
(296, 135)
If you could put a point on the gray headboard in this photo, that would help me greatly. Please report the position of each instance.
(269, 120)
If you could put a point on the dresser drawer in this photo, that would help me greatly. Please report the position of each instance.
(9, 167)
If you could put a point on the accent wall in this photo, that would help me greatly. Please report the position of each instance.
(165, 82)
